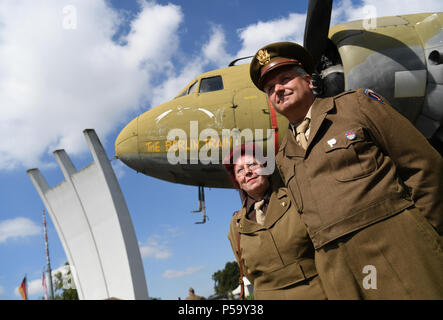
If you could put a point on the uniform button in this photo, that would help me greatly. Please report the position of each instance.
(283, 204)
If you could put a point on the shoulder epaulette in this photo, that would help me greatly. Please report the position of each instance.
(344, 93)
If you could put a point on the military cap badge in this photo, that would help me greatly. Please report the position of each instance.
(263, 57)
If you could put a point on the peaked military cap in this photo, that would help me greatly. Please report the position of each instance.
(278, 54)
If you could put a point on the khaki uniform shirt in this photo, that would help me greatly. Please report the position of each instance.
(364, 162)
(279, 253)
(250, 202)
(194, 297)
(293, 127)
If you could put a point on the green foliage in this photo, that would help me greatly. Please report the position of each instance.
(67, 294)
(226, 280)
(63, 286)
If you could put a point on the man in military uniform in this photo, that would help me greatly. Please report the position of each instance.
(193, 296)
(366, 183)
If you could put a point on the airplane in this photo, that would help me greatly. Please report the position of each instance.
(399, 57)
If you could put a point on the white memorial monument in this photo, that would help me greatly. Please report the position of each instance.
(94, 225)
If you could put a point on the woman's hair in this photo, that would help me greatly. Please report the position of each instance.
(236, 154)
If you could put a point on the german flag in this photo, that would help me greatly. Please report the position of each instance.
(23, 290)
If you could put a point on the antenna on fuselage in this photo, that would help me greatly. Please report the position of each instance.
(235, 61)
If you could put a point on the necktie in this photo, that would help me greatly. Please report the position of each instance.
(259, 214)
(301, 137)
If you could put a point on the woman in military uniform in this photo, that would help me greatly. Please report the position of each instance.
(268, 238)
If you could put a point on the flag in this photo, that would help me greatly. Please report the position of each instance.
(23, 290)
(45, 290)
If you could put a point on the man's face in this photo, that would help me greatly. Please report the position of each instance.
(289, 93)
(246, 171)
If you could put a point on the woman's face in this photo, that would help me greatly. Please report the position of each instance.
(246, 172)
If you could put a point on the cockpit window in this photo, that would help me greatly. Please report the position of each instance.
(211, 84)
(184, 92)
(188, 90)
(192, 88)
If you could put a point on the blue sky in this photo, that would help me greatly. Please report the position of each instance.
(122, 58)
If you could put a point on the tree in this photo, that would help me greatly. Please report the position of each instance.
(64, 285)
(226, 280)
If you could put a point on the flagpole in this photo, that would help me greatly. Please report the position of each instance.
(45, 289)
(51, 290)
(26, 286)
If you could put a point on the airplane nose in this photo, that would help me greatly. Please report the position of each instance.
(126, 144)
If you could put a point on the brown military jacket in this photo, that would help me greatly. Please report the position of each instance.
(194, 297)
(364, 163)
(277, 254)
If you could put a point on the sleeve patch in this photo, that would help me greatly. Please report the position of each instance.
(371, 94)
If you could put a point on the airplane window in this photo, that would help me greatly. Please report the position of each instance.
(211, 84)
(192, 88)
(182, 94)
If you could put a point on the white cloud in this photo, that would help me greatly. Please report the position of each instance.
(170, 274)
(35, 287)
(156, 250)
(214, 50)
(253, 37)
(55, 82)
(176, 81)
(157, 245)
(153, 37)
(18, 228)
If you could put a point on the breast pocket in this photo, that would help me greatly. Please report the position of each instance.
(259, 252)
(286, 168)
(287, 171)
(351, 155)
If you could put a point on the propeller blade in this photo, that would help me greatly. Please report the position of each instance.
(317, 27)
